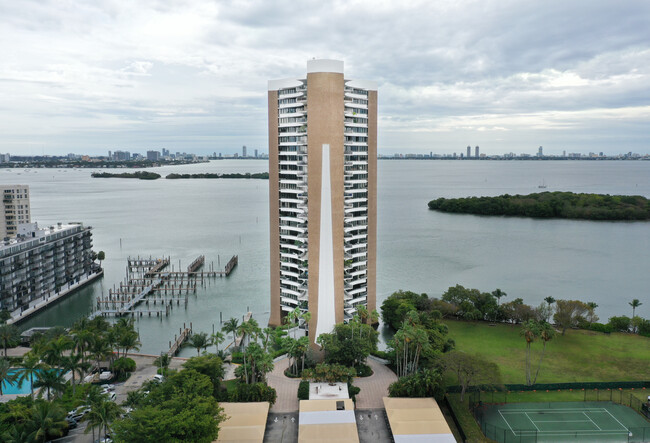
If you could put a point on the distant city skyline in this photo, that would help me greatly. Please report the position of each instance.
(504, 75)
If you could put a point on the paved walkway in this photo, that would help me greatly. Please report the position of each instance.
(287, 388)
(373, 388)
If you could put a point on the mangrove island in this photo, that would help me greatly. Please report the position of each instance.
(551, 205)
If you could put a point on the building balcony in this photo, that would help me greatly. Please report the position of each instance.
(352, 210)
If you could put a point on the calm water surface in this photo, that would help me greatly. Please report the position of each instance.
(418, 249)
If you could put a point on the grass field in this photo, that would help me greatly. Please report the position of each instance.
(577, 356)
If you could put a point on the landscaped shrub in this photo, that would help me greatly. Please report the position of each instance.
(381, 354)
(122, 367)
(353, 391)
(426, 383)
(363, 370)
(601, 328)
(237, 357)
(253, 392)
(621, 323)
(303, 390)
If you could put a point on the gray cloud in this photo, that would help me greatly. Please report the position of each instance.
(508, 75)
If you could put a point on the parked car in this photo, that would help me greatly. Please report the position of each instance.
(159, 378)
(78, 414)
(108, 387)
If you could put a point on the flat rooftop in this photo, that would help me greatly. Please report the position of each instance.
(417, 420)
(246, 422)
(327, 421)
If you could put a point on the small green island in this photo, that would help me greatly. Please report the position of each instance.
(551, 205)
(144, 175)
(257, 175)
(141, 175)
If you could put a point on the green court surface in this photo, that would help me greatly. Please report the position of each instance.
(562, 422)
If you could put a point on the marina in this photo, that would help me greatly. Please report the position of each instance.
(148, 283)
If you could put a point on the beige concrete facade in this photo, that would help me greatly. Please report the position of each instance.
(323, 111)
(15, 209)
(274, 209)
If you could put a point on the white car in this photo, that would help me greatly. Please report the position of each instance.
(108, 387)
(110, 394)
(159, 378)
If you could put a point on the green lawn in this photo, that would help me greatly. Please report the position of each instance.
(578, 356)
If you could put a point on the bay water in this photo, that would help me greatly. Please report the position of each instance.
(418, 249)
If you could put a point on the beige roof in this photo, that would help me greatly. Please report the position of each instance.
(326, 424)
(246, 422)
(324, 405)
(416, 416)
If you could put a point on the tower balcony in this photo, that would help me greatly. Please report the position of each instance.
(352, 209)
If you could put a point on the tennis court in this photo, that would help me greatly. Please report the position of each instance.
(563, 421)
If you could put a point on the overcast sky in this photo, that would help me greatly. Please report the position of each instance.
(93, 76)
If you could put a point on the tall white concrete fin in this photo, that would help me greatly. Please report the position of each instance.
(326, 312)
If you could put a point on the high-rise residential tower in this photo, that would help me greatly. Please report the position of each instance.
(15, 209)
(323, 195)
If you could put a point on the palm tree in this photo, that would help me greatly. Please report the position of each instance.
(635, 304)
(28, 368)
(52, 380)
(546, 333)
(217, 338)
(529, 331)
(8, 336)
(363, 313)
(102, 414)
(498, 293)
(7, 375)
(374, 316)
(75, 364)
(47, 421)
(128, 340)
(163, 361)
(100, 349)
(199, 341)
(54, 350)
(292, 317)
(231, 326)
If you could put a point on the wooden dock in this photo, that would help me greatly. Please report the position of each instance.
(184, 334)
(148, 282)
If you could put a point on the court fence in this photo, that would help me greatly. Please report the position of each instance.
(509, 435)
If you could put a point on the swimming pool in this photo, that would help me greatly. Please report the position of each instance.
(8, 388)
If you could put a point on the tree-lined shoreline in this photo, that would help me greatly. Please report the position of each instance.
(144, 175)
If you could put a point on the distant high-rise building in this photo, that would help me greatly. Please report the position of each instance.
(153, 156)
(476, 152)
(243, 151)
(563, 153)
(323, 195)
(165, 152)
(540, 152)
(469, 151)
(256, 153)
(15, 209)
(110, 156)
(5, 158)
